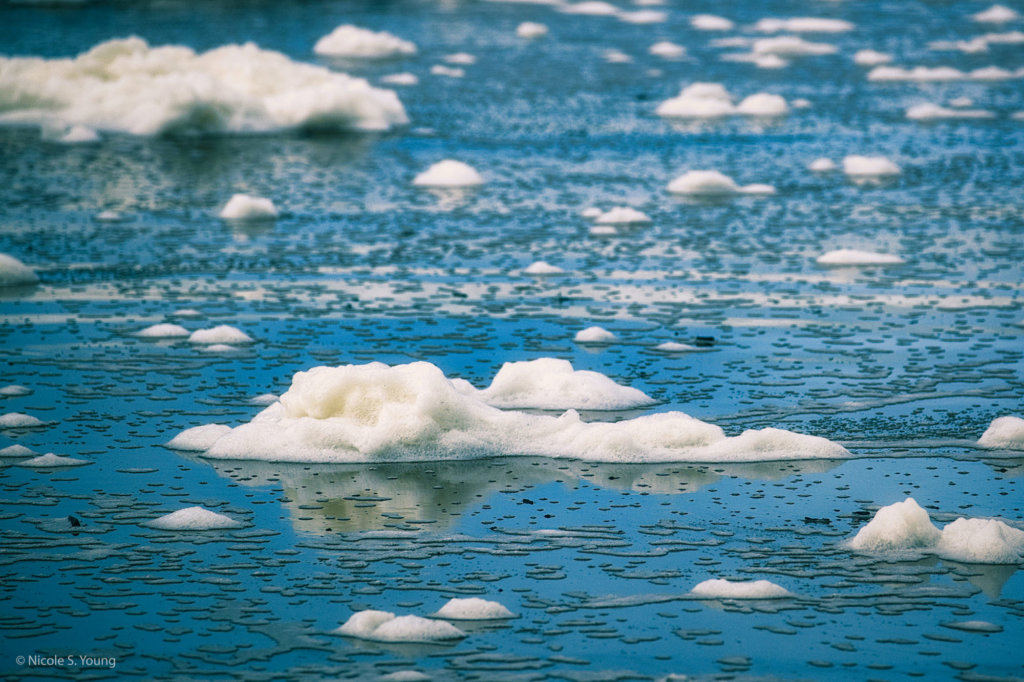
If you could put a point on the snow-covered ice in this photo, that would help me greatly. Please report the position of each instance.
(543, 268)
(16, 450)
(822, 165)
(869, 57)
(932, 112)
(711, 22)
(14, 390)
(667, 49)
(996, 14)
(803, 25)
(792, 46)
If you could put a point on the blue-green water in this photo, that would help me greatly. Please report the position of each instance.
(905, 366)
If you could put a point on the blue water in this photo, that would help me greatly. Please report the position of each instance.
(905, 366)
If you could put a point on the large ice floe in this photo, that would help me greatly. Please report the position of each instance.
(127, 86)
(13, 272)
(905, 528)
(383, 626)
(413, 412)
(1004, 433)
(712, 100)
(353, 42)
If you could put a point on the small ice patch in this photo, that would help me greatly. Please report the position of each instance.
(163, 331)
(711, 22)
(822, 165)
(52, 461)
(543, 268)
(199, 438)
(19, 420)
(853, 257)
(933, 112)
(869, 166)
(221, 334)
(595, 335)
(449, 173)
(194, 518)
(621, 215)
(1004, 433)
(726, 589)
(529, 30)
(14, 390)
(16, 450)
(382, 626)
(359, 43)
(871, 58)
(667, 50)
(803, 25)
(473, 608)
(709, 183)
(246, 207)
(996, 14)
(13, 272)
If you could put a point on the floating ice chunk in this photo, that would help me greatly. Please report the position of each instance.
(709, 183)
(18, 420)
(595, 335)
(871, 58)
(473, 608)
(596, 8)
(400, 79)
(12, 271)
(932, 112)
(803, 25)
(16, 450)
(667, 49)
(792, 46)
(996, 14)
(194, 518)
(923, 74)
(126, 86)
(643, 16)
(14, 390)
(622, 215)
(900, 526)
(50, 460)
(822, 165)
(710, 22)
(848, 257)
(675, 347)
(360, 43)
(199, 438)
(861, 166)
(263, 399)
(163, 331)
(553, 384)
(763, 104)
(529, 30)
(543, 268)
(246, 207)
(449, 173)
(221, 334)
(725, 589)
(981, 541)
(383, 626)
(1004, 433)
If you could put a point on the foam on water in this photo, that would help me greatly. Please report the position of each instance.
(126, 86)
(803, 25)
(931, 112)
(622, 215)
(667, 49)
(996, 14)
(359, 43)
(856, 165)
(595, 335)
(163, 331)
(221, 334)
(383, 626)
(14, 390)
(712, 100)
(710, 183)
(792, 46)
(675, 347)
(868, 57)
(194, 518)
(763, 104)
(449, 173)
(981, 541)
(19, 420)
(719, 588)
(473, 608)
(594, 8)
(822, 165)
(403, 78)
(900, 526)
(52, 461)
(12, 271)
(711, 22)
(16, 450)
(845, 257)
(1004, 433)
(246, 207)
(543, 268)
(530, 30)
(199, 438)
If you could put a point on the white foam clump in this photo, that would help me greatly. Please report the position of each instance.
(447, 71)
(803, 25)
(674, 347)
(923, 74)
(360, 43)
(129, 87)
(763, 104)
(595, 335)
(19, 420)
(449, 173)
(163, 331)
(553, 384)
(996, 14)
(543, 268)
(871, 58)
(473, 608)
(905, 526)
(403, 78)
(14, 390)
(594, 8)
(531, 29)
(463, 58)
(199, 438)
(221, 334)
(712, 100)
(16, 450)
(843, 257)
(667, 50)
(932, 112)
(710, 183)
(822, 165)
(50, 460)
(405, 676)
(1004, 433)
(12, 271)
(719, 588)
(643, 16)
(857, 165)
(622, 215)
(711, 22)
(792, 46)
(383, 626)
(373, 412)
(247, 207)
(194, 518)
(264, 399)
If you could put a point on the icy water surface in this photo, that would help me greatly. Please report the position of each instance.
(903, 365)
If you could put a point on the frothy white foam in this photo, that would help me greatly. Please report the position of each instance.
(712, 100)
(667, 49)
(996, 14)
(595, 335)
(163, 331)
(13, 390)
(1005, 433)
(447, 71)
(643, 16)
(711, 22)
(763, 104)
(12, 271)
(449, 173)
(16, 450)
(126, 86)
(932, 112)
(264, 399)
(194, 518)
(473, 608)
(199, 438)
(981, 541)
(463, 58)
(383, 626)
(50, 460)
(792, 46)
(360, 43)
(364, 413)
(900, 526)
(403, 78)
(849, 257)
(622, 215)
(719, 588)
(674, 347)
(543, 268)
(822, 165)
(710, 183)
(19, 420)
(803, 25)
(221, 334)
(531, 29)
(856, 165)
(594, 8)
(871, 58)
(246, 207)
